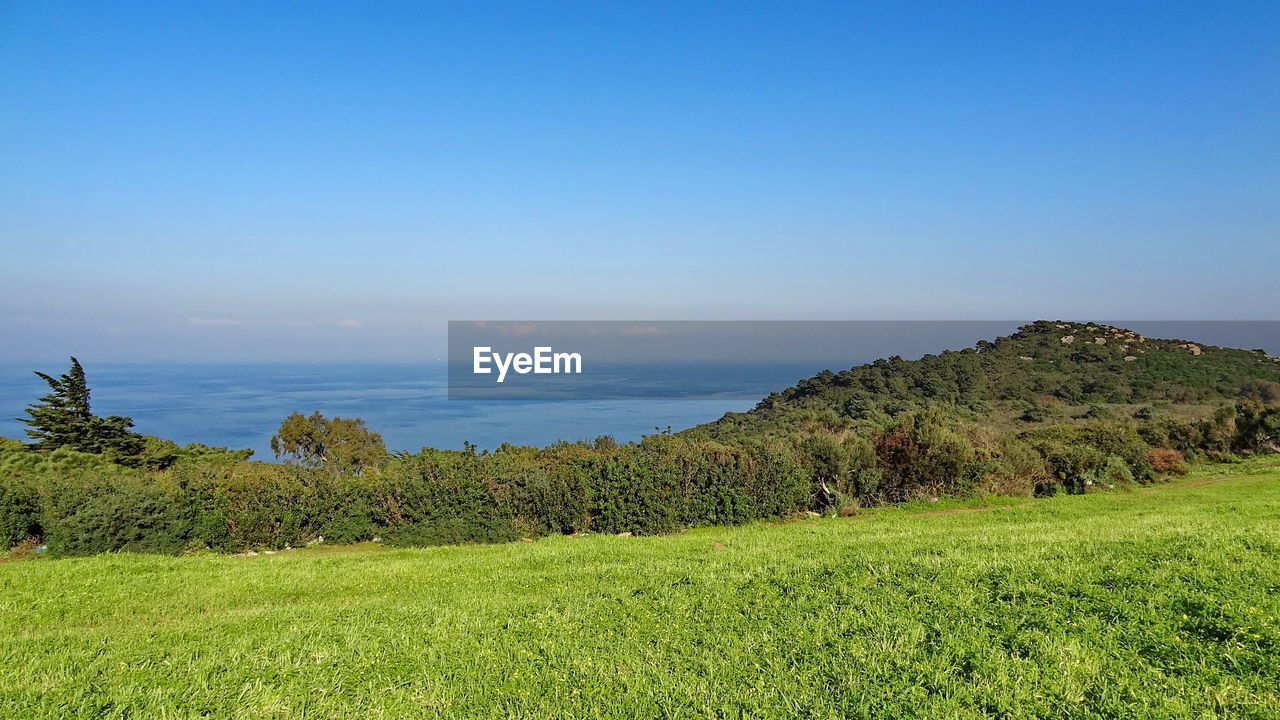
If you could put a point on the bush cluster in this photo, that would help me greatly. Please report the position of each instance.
(83, 504)
(205, 498)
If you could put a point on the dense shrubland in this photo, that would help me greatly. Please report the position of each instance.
(81, 503)
(887, 432)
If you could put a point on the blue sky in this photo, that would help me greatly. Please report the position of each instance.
(336, 180)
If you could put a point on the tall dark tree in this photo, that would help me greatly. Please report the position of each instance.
(63, 418)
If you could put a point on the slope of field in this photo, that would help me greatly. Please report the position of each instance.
(1162, 602)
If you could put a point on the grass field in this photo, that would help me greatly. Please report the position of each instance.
(1158, 603)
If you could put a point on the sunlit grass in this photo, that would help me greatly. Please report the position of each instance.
(1161, 603)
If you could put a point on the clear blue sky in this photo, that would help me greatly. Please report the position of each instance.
(265, 179)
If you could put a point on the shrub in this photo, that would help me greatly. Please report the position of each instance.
(246, 506)
(1034, 414)
(779, 484)
(19, 511)
(1167, 461)
(1015, 469)
(1116, 472)
(1121, 440)
(633, 490)
(1260, 391)
(923, 456)
(1097, 412)
(93, 514)
(211, 497)
(1075, 464)
(438, 497)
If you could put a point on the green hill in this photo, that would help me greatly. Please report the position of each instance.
(1046, 371)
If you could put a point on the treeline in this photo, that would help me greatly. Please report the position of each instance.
(78, 503)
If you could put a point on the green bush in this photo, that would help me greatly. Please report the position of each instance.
(549, 489)
(1073, 465)
(779, 484)
(93, 513)
(1116, 472)
(634, 490)
(19, 511)
(924, 456)
(439, 497)
(1016, 468)
(246, 506)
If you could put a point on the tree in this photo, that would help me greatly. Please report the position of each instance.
(113, 436)
(63, 418)
(344, 444)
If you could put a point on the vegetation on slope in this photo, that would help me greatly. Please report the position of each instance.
(1156, 603)
(1046, 370)
(892, 431)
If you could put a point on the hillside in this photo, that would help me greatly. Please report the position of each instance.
(1046, 370)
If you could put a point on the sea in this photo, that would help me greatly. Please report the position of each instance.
(240, 405)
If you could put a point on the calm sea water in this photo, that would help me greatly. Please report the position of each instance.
(240, 405)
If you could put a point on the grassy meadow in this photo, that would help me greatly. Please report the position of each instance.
(1162, 602)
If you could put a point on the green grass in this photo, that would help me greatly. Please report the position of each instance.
(1148, 604)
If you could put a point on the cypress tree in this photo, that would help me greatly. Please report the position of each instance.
(62, 417)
